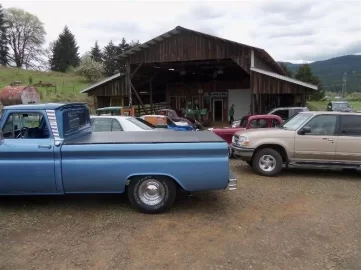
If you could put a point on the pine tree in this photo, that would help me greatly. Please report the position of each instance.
(95, 53)
(305, 74)
(65, 52)
(286, 69)
(123, 47)
(110, 53)
(3, 39)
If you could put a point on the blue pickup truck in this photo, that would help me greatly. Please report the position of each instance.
(51, 149)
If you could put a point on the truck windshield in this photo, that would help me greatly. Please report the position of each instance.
(296, 121)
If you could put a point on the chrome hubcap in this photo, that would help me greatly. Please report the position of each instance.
(151, 192)
(267, 163)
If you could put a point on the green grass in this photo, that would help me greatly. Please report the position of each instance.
(68, 85)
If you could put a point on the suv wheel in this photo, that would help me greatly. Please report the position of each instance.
(267, 162)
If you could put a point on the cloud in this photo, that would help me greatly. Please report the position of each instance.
(204, 12)
(299, 30)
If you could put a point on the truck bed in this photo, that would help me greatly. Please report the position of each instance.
(128, 137)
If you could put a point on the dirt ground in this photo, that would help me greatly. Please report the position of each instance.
(303, 219)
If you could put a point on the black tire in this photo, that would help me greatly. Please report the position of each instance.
(270, 152)
(249, 163)
(166, 186)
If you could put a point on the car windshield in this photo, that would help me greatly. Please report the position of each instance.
(243, 122)
(141, 123)
(296, 121)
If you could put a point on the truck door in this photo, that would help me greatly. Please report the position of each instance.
(27, 160)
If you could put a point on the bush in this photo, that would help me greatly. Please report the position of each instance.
(90, 69)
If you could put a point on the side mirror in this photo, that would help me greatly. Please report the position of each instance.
(305, 130)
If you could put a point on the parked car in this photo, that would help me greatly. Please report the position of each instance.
(163, 121)
(115, 110)
(316, 139)
(339, 106)
(176, 117)
(61, 155)
(283, 112)
(247, 122)
(119, 123)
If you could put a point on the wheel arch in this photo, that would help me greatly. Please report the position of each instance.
(141, 175)
(279, 148)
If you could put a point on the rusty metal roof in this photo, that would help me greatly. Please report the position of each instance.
(180, 29)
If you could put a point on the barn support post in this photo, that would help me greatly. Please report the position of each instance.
(151, 95)
(135, 71)
(138, 97)
(128, 82)
(252, 93)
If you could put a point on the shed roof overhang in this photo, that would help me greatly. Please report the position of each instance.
(284, 78)
(111, 78)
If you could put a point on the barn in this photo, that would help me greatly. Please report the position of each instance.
(183, 66)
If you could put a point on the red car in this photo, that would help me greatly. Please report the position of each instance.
(247, 122)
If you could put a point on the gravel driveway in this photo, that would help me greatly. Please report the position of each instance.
(303, 219)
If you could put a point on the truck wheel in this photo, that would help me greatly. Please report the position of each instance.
(267, 162)
(151, 194)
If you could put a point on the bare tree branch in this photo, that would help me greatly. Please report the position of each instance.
(27, 36)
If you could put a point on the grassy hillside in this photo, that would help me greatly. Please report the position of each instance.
(331, 72)
(68, 85)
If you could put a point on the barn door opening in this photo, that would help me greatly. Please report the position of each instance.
(218, 110)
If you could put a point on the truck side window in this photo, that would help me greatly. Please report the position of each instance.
(282, 113)
(25, 126)
(275, 123)
(350, 125)
(258, 123)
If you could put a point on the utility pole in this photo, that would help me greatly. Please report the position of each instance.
(344, 84)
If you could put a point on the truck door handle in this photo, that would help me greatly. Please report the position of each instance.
(44, 146)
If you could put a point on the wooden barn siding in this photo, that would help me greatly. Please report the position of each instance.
(110, 89)
(263, 84)
(190, 47)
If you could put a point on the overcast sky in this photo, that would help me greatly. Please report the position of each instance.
(293, 31)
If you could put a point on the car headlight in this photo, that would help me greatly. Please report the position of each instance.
(240, 140)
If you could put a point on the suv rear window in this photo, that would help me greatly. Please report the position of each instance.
(350, 125)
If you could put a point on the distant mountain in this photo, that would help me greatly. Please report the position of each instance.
(331, 72)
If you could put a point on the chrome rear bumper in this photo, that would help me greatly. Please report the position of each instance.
(232, 181)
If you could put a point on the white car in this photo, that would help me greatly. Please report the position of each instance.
(119, 123)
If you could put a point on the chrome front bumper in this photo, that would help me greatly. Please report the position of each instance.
(232, 181)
